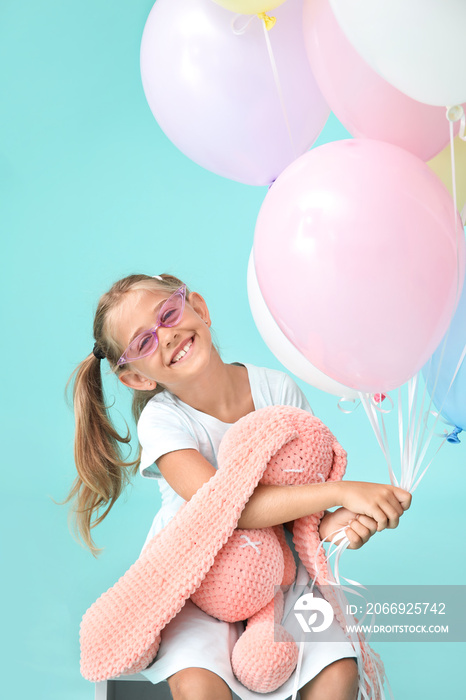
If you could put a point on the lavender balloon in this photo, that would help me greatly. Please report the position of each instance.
(214, 94)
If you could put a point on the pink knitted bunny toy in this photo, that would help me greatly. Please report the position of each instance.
(229, 573)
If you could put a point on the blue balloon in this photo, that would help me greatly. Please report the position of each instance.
(450, 403)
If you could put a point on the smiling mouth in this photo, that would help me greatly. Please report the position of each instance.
(184, 350)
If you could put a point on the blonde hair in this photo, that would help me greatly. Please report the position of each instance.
(102, 472)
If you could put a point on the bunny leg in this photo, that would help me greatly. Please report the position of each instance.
(265, 655)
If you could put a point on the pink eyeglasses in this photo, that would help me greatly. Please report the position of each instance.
(147, 342)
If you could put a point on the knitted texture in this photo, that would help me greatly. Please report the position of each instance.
(121, 630)
(242, 578)
(228, 572)
(266, 654)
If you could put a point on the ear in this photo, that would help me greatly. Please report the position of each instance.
(339, 463)
(135, 380)
(200, 307)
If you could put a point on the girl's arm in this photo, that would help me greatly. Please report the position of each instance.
(187, 470)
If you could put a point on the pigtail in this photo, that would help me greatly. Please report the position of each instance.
(102, 473)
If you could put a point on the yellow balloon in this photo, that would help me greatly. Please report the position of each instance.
(441, 165)
(249, 7)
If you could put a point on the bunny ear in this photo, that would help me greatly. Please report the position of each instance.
(123, 625)
(258, 436)
(339, 463)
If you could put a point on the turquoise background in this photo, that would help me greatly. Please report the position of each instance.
(91, 190)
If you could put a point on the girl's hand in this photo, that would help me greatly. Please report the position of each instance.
(381, 502)
(361, 527)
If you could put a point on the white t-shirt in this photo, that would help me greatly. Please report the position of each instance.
(193, 638)
(168, 424)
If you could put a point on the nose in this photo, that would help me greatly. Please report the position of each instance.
(167, 336)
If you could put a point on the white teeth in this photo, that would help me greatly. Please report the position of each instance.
(182, 352)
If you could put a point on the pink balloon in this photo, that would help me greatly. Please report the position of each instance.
(280, 346)
(359, 262)
(213, 91)
(363, 101)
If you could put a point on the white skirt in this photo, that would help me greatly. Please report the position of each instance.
(195, 639)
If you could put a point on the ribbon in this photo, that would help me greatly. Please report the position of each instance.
(347, 411)
(239, 30)
(268, 21)
(453, 435)
(334, 581)
(377, 399)
(372, 410)
(413, 441)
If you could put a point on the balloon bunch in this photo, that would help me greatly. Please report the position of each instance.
(359, 256)
(366, 242)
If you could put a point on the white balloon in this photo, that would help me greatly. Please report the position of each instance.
(282, 348)
(419, 46)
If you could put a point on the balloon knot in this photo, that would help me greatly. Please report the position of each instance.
(268, 21)
(455, 113)
(453, 436)
(378, 398)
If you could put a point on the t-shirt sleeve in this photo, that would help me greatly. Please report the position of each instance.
(291, 395)
(162, 429)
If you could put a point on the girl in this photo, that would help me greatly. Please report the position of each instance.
(156, 336)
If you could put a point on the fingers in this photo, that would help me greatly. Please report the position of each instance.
(368, 522)
(393, 516)
(393, 508)
(357, 534)
(404, 497)
(379, 515)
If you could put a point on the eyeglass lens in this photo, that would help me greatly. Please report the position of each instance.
(168, 316)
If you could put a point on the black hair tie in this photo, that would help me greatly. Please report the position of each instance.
(98, 353)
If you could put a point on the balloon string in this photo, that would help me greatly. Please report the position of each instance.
(411, 460)
(372, 414)
(458, 367)
(267, 23)
(238, 31)
(347, 411)
(413, 431)
(451, 114)
(278, 86)
(451, 436)
(298, 668)
(416, 484)
(462, 131)
(406, 452)
(417, 441)
(375, 688)
(462, 136)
